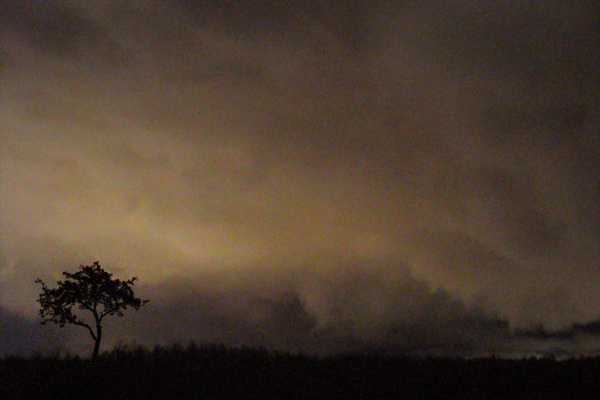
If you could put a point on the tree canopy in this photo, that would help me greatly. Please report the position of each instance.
(94, 291)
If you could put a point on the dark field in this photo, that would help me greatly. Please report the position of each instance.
(216, 372)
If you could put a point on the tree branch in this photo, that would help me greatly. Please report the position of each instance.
(89, 328)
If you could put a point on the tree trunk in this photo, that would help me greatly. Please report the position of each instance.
(97, 342)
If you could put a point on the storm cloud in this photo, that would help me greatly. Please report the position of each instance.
(312, 175)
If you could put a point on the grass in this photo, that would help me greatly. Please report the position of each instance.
(218, 372)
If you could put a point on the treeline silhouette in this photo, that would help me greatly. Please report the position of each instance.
(218, 372)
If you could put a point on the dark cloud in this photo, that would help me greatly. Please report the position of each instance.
(578, 338)
(19, 335)
(58, 31)
(355, 311)
(284, 150)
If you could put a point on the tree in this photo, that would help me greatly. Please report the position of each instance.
(94, 291)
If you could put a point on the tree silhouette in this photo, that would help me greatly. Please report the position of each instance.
(93, 290)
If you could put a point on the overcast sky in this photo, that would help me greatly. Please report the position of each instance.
(417, 176)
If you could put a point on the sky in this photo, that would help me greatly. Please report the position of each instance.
(315, 176)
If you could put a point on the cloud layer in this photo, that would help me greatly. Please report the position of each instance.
(404, 175)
